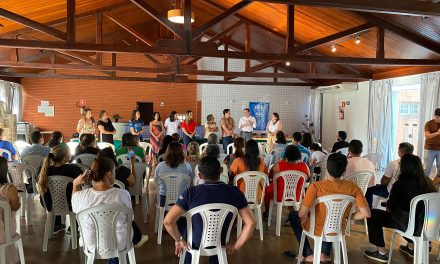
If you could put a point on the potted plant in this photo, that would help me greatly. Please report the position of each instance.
(116, 117)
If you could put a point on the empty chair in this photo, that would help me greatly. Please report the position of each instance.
(57, 186)
(101, 221)
(273, 157)
(123, 158)
(213, 217)
(336, 206)
(230, 149)
(103, 145)
(255, 182)
(147, 147)
(10, 237)
(175, 184)
(430, 230)
(375, 158)
(85, 158)
(203, 147)
(20, 173)
(141, 169)
(7, 152)
(291, 179)
(72, 146)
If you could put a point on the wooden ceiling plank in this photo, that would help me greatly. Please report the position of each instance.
(70, 21)
(290, 37)
(412, 8)
(333, 37)
(406, 71)
(99, 34)
(187, 25)
(32, 24)
(225, 14)
(226, 31)
(247, 46)
(157, 16)
(129, 29)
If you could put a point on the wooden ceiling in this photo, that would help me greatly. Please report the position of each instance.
(396, 38)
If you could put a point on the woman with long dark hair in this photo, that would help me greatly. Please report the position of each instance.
(238, 153)
(318, 154)
(87, 145)
(411, 183)
(136, 124)
(55, 139)
(273, 126)
(166, 141)
(172, 124)
(156, 133)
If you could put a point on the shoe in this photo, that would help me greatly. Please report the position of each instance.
(68, 231)
(375, 255)
(58, 229)
(406, 250)
(144, 239)
(290, 255)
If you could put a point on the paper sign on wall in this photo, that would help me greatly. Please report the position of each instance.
(49, 111)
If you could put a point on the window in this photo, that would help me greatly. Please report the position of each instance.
(409, 108)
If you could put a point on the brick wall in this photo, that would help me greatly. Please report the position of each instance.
(113, 96)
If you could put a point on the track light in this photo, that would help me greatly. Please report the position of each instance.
(357, 39)
(333, 48)
(287, 63)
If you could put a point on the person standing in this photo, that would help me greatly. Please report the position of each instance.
(189, 128)
(210, 126)
(136, 125)
(106, 127)
(156, 133)
(247, 124)
(432, 145)
(272, 127)
(227, 125)
(172, 124)
(86, 125)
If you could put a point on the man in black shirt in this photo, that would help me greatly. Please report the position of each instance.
(340, 137)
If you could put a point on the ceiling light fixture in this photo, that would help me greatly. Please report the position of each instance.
(176, 14)
(333, 48)
(357, 39)
(287, 63)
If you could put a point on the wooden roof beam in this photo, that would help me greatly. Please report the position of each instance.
(225, 14)
(157, 16)
(70, 21)
(33, 24)
(404, 7)
(129, 29)
(226, 31)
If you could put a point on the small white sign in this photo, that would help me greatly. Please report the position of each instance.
(49, 111)
(41, 109)
(44, 103)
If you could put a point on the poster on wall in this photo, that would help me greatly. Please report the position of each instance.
(260, 111)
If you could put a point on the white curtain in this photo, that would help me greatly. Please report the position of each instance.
(429, 101)
(380, 120)
(315, 113)
(11, 95)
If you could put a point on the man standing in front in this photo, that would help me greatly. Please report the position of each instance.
(432, 145)
(228, 125)
(247, 124)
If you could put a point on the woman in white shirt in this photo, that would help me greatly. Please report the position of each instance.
(272, 127)
(318, 154)
(102, 176)
(172, 124)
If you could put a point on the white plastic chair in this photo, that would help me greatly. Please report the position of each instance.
(213, 216)
(85, 158)
(305, 158)
(36, 161)
(273, 157)
(119, 184)
(10, 237)
(7, 152)
(291, 179)
(361, 178)
(104, 218)
(313, 175)
(19, 173)
(103, 145)
(343, 151)
(175, 184)
(125, 160)
(21, 145)
(222, 157)
(72, 146)
(375, 158)
(252, 181)
(138, 189)
(147, 147)
(264, 147)
(161, 158)
(430, 230)
(336, 207)
(57, 186)
(203, 147)
(230, 149)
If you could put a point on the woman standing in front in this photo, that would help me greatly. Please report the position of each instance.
(273, 126)
(86, 125)
(156, 133)
(172, 124)
(106, 127)
(189, 128)
(136, 125)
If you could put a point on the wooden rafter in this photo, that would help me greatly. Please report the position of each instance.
(290, 37)
(99, 33)
(380, 50)
(32, 24)
(70, 24)
(226, 31)
(129, 29)
(157, 16)
(187, 25)
(226, 13)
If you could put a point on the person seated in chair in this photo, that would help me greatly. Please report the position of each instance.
(212, 191)
(87, 145)
(37, 147)
(356, 163)
(4, 144)
(340, 143)
(390, 176)
(336, 165)
(296, 141)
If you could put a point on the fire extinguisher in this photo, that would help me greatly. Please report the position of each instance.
(341, 113)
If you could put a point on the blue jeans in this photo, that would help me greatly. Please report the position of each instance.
(295, 223)
(430, 155)
(226, 141)
(379, 190)
(186, 139)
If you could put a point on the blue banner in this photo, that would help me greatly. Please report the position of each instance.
(260, 111)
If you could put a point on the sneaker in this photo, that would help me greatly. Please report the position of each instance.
(406, 250)
(290, 255)
(144, 239)
(58, 229)
(375, 255)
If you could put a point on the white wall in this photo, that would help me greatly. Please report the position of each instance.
(291, 103)
(355, 121)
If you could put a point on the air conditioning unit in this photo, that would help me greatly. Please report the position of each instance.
(342, 87)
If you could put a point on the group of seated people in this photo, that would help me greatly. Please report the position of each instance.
(403, 180)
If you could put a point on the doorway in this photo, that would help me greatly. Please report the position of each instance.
(146, 111)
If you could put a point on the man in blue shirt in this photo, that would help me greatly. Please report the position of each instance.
(37, 147)
(4, 144)
(296, 139)
(212, 191)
